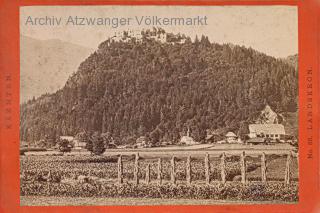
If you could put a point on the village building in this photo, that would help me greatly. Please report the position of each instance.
(142, 142)
(165, 143)
(210, 138)
(156, 34)
(80, 141)
(267, 116)
(215, 136)
(272, 131)
(77, 144)
(68, 138)
(187, 139)
(231, 137)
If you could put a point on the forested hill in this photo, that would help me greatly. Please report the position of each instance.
(159, 89)
(292, 60)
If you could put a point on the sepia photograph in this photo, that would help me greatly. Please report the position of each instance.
(158, 105)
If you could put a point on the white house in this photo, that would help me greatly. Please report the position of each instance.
(68, 138)
(273, 131)
(142, 142)
(79, 144)
(80, 141)
(231, 137)
(75, 141)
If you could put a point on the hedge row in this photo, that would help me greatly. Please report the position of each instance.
(252, 191)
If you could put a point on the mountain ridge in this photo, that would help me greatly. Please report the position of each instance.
(46, 65)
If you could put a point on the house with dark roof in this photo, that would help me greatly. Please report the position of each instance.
(216, 136)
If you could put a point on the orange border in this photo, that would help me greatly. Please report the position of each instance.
(308, 14)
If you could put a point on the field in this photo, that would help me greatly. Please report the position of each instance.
(62, 176)
(194, 150)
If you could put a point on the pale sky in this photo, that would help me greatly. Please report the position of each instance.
(269, 29)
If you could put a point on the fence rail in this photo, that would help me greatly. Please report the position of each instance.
(222, 167)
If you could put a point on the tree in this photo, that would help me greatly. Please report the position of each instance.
(205, 41)
(196, 40)
(243, 130)
(98, 146)
(107, 138)
(89, 145)
(155, 136)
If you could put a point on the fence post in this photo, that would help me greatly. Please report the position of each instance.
(148, 174)
(120, 168)
(263, 168)
(288, 172)
(173, 175)
(188, 175)
(49, 176)
(243, 167)
(159, 177)
(136, 169)
(207, 168)
(223, 168)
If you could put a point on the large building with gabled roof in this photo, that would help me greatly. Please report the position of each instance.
(273, 131)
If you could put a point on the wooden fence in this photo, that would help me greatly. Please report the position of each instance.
(287, 178)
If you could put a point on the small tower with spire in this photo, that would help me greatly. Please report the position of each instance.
(188, 132)
(187, 139)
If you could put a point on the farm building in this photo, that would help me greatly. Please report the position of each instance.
(165, 143)
(273, 131)
(212, 138)
(187, 139)
(231, 137)
(68, 138)
(216, 135)
(267, 116)
(80, 140)
(79, 144)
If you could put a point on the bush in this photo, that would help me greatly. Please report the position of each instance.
(64, 145)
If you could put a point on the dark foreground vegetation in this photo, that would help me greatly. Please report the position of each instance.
(271, 191)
